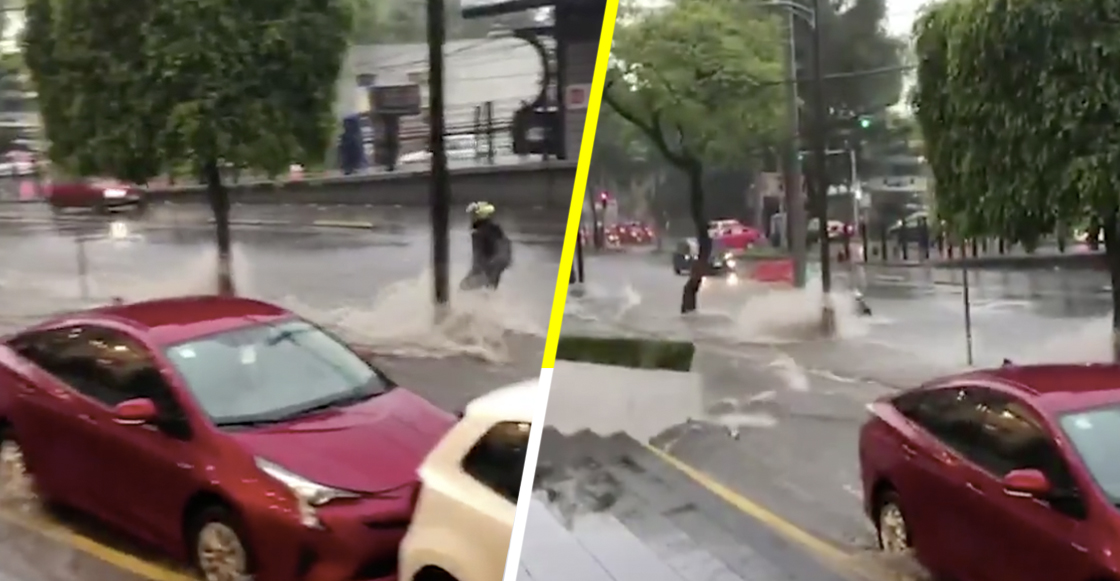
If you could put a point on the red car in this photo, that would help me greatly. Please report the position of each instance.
(95, 194)
(228, 432)
(1008, 474)
(733, 234)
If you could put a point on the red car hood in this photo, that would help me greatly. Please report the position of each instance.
(370, 447)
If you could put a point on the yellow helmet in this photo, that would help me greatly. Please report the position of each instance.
(480, 209)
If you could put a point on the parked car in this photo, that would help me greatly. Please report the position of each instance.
(227, 432)
(999, 475)
(94, 194)
(468, 494)
(721, 261)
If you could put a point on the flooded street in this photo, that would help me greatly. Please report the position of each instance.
(369, 284)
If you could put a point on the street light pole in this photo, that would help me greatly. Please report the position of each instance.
(440, 194)
(820, 173)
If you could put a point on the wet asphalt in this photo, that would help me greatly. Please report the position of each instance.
(772, 411)
(371, 284)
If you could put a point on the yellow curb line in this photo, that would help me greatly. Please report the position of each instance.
(836, 558)
(60, 534)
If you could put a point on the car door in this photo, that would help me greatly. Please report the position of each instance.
(141, 473)
(1027, 539)
(933, 467)
(50, 418)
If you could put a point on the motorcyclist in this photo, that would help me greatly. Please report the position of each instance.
(492, 252)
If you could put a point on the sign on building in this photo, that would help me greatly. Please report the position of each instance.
(576, 97)
(400, 100)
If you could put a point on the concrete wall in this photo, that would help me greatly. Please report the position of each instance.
(529, 185)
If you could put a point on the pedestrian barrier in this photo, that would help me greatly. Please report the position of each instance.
(773, 271)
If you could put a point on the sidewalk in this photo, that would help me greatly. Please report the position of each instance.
(609, 508)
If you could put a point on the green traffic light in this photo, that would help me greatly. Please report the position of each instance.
(864, 122)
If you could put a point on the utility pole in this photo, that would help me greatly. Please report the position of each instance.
(820, 171)
(440, 194)
(794, 200)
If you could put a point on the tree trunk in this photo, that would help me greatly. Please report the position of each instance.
(1112, 256)
(219, 203)
(701, 265)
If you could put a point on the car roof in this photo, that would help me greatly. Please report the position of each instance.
(175, 320)
(515, 402)
(1056, 388)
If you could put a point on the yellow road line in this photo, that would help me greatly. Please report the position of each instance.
(839, 560)
(58, 533)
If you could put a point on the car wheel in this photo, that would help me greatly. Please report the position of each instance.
(219, 550)
(890, 523)
(16, 483)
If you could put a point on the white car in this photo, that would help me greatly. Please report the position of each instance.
(469, 483)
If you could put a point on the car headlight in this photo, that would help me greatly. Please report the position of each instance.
(730, 263)
(308, 494)
(114, 193)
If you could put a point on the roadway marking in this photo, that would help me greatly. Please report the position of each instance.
(848, 564)
(63, 535)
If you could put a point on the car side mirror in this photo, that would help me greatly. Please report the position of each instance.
(136, 411)
(1027, 483)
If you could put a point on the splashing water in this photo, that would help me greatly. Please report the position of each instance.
(786, 315)
(398, 320)
(401, 320)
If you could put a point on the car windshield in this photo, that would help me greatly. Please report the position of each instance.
(1094, 434)
(268, 373)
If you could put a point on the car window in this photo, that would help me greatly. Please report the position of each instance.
(497, 460)
(1012, 437)
(101, 363)
(950, 414)
(271, 372)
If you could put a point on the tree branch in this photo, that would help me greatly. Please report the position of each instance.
(652, 130)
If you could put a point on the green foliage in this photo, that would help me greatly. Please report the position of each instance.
(131, 89)
(701, 78)
(1017, 102)
(633, 353)
(855, 41)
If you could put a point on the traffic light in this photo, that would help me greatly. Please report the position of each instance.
(864, 122)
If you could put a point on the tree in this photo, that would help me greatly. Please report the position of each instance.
(131, 89)
(1017, 102)
(701, 80)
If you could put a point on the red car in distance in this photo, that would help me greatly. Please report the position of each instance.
(100, 195)
(227, 432)
(733, 235)
(1008, 474)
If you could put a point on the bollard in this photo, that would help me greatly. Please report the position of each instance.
(863, 237)
(883, 241)
(923, 238)
(846, 236)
